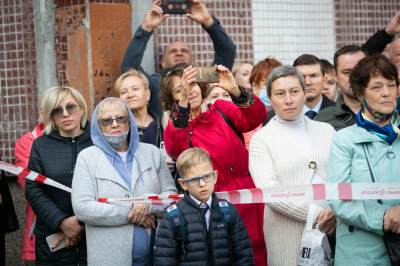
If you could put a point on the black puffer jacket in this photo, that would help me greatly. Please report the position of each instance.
(54, 157)
(167, 252)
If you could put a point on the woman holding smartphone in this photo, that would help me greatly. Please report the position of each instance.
(218, 128)
(66, 134)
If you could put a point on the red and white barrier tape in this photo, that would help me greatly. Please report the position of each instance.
(28, 174)
(332, 191)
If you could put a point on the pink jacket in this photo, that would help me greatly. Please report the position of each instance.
(228, 154)
(22, 152)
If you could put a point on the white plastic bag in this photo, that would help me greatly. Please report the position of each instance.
(314, 248)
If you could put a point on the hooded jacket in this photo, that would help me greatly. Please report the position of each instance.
(111, 238)
(111, 154)
(55, 156)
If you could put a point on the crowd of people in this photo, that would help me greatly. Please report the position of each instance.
(267, 125)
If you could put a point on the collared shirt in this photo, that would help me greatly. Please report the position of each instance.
(316, 108)
(208, 213)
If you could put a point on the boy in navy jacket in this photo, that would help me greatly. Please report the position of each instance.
(200, 218)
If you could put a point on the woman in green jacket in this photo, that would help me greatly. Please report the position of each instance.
(375, 136)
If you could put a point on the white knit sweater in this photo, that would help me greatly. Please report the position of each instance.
(275, 161)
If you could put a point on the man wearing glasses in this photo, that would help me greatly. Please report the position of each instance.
(177, 51)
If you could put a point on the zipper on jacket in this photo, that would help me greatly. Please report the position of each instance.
(73, 155)
(205, 234)
(211, 240)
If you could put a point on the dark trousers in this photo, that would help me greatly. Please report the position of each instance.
(2, 249)
(332, 243)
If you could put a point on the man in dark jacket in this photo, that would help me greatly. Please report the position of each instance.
(313, 71)
(8, 218)
(206, 240)
(176, 52)
(343, 114)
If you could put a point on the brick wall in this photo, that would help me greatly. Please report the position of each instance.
(19, 91)
(356, 21)
(110, 33)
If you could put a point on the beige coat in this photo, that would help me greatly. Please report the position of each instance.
(274, 161)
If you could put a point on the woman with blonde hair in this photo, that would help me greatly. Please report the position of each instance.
(241, 72)
(66, 134)
(133, 88)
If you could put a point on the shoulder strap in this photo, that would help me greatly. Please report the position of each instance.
(177, 225)
(226, 215)
(159, 133)
(229, 122)
(347, 119)
(369, 167)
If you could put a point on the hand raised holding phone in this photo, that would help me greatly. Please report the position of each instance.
(186, 84)
(154, 17)
(227, 81)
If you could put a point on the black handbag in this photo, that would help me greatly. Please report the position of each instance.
(392, 240)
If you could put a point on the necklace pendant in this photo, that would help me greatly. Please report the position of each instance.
(391, 155)
(312, 165)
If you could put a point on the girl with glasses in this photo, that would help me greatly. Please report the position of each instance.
(119, 166)
(218, 128)
(66, 134)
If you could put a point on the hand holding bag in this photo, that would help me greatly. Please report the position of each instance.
(392, 240)
(314, 248)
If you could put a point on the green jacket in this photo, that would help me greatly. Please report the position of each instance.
(338, 116)
(359, 232)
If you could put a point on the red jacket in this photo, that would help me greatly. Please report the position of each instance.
(228, 154)
(22, 152)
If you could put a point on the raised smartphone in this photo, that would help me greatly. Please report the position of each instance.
(51, 239)
(176, 7)
(207, 75)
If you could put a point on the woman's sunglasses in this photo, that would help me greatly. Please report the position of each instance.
(108, 121)
(71, 109)
(165, 72)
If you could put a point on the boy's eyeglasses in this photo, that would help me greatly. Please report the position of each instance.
(167, 71)
(195, 181)
(108, 121)
(71, 109)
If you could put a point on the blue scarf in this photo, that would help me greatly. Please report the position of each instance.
(388, 133)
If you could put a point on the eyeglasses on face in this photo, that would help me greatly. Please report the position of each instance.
(167, 71)
(108, 121)
(71, 109)
(195, 181)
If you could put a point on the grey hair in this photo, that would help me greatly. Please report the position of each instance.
(284, 71)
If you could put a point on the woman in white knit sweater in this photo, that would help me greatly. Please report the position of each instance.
(290, 150)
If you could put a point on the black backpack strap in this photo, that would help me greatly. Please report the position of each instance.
(229, 122)
(177, 225)
(190, 141)
(226, 215)
(159, 138)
